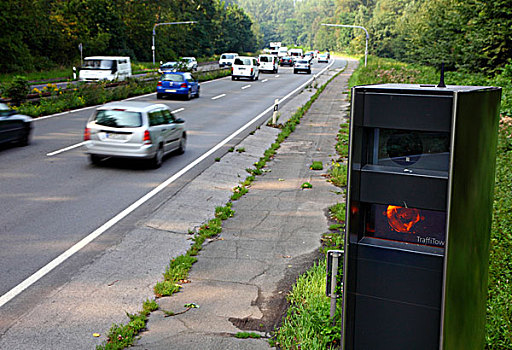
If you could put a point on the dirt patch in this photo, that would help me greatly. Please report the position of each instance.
(275, 307)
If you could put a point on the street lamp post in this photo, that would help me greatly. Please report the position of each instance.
(351, 26)
(164, 24)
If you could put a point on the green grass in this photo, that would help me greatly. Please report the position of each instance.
(307, 324)
(316, 165)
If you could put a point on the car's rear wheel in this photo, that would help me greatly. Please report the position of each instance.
(159, 96)
(25, 138)
(95, 159)
(197, 93)
(156, 161)
(183, 144)
(232, 78)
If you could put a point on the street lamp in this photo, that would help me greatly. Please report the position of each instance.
(351, 26)
(164, 24)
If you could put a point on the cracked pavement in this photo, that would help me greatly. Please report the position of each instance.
(240, 281)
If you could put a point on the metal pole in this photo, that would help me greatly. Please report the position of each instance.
(153, 46)
(164, 24)
(351, 26)
(334, 284)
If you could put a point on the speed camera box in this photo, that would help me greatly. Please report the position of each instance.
(419, 204)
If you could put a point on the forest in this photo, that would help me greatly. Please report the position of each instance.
(40, 34)
(473, 35)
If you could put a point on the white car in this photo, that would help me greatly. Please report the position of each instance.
(226, 59)
(190, 63)
(323, 57)
(268, 63)
(134, 130)
(245, 67)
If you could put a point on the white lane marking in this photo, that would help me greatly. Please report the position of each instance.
(246, 87)
(178, 110)
(65, 149)
(277, 76)
(11, 294)
(264, 80)
(219, 96)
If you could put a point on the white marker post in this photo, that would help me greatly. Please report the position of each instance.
(274, 115)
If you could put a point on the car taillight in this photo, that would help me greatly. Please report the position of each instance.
(183, 85)
(252, 70)
(232, 70)
(87, 134)
(147, 138)
(159, 83)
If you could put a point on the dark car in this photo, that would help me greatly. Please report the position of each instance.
(286, 61)
(177, 83)
(14, 127)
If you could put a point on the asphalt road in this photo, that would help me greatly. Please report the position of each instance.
(49, 201)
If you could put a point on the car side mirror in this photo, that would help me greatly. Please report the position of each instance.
(179, 121)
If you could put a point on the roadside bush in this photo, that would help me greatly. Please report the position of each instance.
(17, 90)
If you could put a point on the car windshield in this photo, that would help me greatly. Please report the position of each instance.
(265, 59)
(243, 61)
(303, 62)
(98, 64)
(227, 57)
(118, 118)
(172, 77)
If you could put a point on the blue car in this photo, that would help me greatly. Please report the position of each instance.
(177, 83)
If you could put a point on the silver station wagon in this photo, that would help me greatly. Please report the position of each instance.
(129, 129)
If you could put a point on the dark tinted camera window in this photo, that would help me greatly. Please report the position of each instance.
(412, 149)
(118, 119)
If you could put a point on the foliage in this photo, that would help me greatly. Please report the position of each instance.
(307, 324)
(31, 41)
(17, 89)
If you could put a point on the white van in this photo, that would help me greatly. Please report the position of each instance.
(282, 52)
(296, 53)
(226, 59)
(105, 68)
(245, 67)
(268, 63)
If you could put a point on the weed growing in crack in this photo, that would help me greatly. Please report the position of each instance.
(224, 213)
(316, 165)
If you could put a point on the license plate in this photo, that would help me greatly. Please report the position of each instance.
(169, 90)
(113, 136)
(241, 68)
